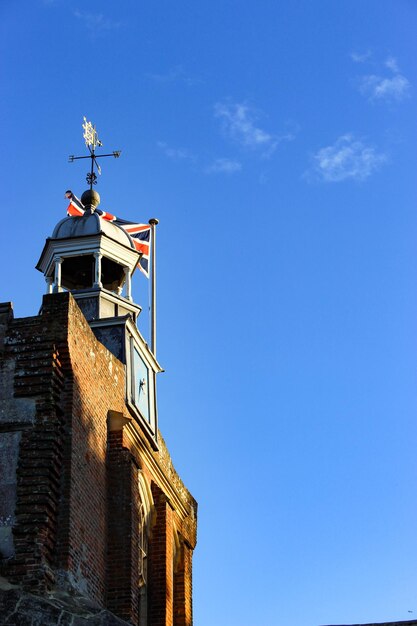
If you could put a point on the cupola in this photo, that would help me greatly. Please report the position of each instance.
(93, 255)
(94, 259)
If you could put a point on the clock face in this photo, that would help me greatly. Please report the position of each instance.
(141, 391)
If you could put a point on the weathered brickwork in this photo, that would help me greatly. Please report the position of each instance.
(123, 530)
(183, 588)
(162, 563)
(76, 505)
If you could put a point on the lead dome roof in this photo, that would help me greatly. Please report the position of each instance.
(90, 224)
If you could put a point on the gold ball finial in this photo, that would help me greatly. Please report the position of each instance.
(90, 199)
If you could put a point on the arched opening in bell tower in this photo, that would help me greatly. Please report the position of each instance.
(78, 272)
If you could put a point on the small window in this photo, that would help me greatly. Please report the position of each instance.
(145, 508)
(143, 546)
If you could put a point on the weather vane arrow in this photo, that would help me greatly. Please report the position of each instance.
(92, 142)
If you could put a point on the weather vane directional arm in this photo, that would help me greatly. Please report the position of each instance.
(92, 142)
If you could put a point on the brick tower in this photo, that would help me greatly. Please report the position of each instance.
(96, 527)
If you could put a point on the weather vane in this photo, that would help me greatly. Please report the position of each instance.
(92, 142)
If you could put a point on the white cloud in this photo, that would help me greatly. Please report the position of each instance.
(175, 75)
(96, 23)
(226, 166)
(378, 87)
(360, 58)
(347, 158)
(240, 123)
(175, 153)
(391, 64)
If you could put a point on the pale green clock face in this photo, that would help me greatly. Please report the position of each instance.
(142, 390)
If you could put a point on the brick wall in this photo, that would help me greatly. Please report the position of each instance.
(95, 384)
(161, 583)
(183, 609)
(76, 498)
(31, 353)
(123, 530)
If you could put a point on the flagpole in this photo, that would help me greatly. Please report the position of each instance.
(153, 222)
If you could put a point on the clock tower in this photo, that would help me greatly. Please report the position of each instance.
(95, 523)
(95, 260)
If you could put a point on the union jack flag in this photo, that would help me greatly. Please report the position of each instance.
(139, 233)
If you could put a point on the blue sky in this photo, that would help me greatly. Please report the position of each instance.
(276, 143)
